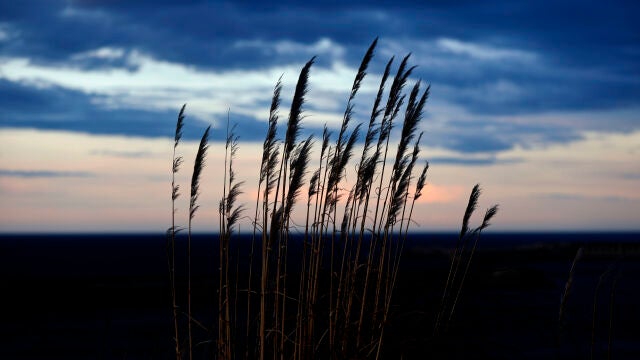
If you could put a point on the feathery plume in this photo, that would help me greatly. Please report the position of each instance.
(298, 168)
(490, 213)
(272, 167)
(413, 115)
(326, 136)
(197, 169)
(421, 181)
(471, 207)
(395, 99)
(270, 139)
(338, 167)
(362, 70)
(293, 126)
(403, 184)
(232, 212)
(179, 126)
(372, 130)
(313, 183)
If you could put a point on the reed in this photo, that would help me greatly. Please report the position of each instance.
(489, 214)
(266, 166)
(613, 275)
(173, 230)
(193, 207)
(567, 290)
(353, 236)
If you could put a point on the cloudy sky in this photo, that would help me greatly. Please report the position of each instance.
(538, 101)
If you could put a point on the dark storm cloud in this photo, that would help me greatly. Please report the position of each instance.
(491, 58)
(201, 32)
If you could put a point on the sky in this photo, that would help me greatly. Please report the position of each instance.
(538, 101)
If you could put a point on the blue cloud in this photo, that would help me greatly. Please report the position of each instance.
(486, 135)
(578, 197)
(477, 143)
(631, 176)
(56, 108)
(470, 161)
(43, 173)
(123, 154)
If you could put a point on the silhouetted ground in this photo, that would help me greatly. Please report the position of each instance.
(107, 297)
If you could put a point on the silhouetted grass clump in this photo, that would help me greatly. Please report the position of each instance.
(337, 302)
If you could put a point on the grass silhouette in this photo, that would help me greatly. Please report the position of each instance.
(337, 302)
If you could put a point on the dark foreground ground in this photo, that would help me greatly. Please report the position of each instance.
(106, 297)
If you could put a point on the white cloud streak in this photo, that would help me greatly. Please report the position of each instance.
(483, 52)
(152, 84)
(101, 53)
(161, 85)
(324, 46)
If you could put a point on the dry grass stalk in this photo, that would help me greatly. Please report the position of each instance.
(454, 283)
(567, 289)
(193, 207)
(175, 193)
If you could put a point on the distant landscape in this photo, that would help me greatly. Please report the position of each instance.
(106, 296)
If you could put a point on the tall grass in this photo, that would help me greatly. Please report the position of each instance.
(336, 304)
(175, 192)
(198, 165)
(461, 257)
